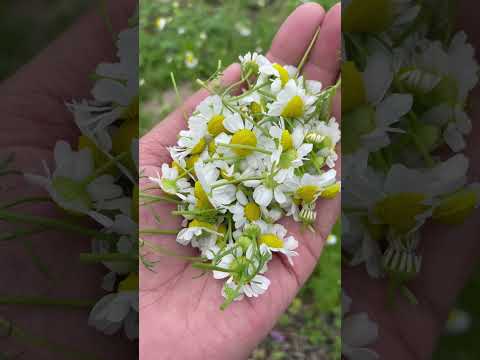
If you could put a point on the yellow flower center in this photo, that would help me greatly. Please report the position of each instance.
(284, 77)
(400, 210)
(455, 208)
(215, 125)
(256, 108)
(190, 162)
(201, 224)
(197, 149)
(130, 283)
(286, 140)
(224, 175)
(294, 108)
(202, 199)
(252, 211)
(271, 240)
(176, 166)
(244, 137)
(353, 91)
(331, 191)
(307, 193)
(212, 147)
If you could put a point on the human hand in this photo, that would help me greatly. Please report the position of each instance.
(180, 316)
(450, 253)
(34, 117)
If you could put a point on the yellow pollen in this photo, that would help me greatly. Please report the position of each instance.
(201, 195)
(284, 77)
(212, 147)
(252, 212)
(256, 108)
(197, 149)
(294, 108)
(215, 125)
(331, 191)
(400, 210)
(307, 193)
(271, 240)
(198, 223)
(244, 137)
(190, 162)
(286, 140)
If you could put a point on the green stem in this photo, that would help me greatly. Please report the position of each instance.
(112, 162)
(159, 232)
(115, 257)
(307, 53)
(25, 200)
(159, 198)
(55, 224)
(44, 301)
(240, 82)
(245, 147)
(236, 181)
(204, 266)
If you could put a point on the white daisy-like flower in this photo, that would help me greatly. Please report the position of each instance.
(209, 116)
(208, 177)
(274, 237)
(293, 149)
(72, 187)
(270, 189)
(358, 331)
(245, 211)
(191, 142)
(237, 260)
(309, 187)
(171, 183)
(191, 61)
(292, 102)
(253, 61)
(282, 75)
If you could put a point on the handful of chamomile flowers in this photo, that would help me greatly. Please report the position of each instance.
(254, 153)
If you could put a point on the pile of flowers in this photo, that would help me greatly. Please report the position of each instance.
(98, 178)
(407, 79)
(254, 153)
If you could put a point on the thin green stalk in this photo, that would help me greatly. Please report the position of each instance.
(204, 266)
(55, 224)
(159, 232)
(115, 257)
(245, 147)
(236, 181)
(159, 198)
(112, 162)
(309, 50)
(25, 200)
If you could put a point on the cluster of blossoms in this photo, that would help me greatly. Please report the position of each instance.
(245, 162)
(99, 179)
(407, 80)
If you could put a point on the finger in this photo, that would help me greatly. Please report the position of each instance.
(153, 146)
(295, 34)
(324, 61)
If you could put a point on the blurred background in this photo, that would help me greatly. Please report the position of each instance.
(188, 40)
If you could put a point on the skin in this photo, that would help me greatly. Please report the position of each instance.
(450, 253)
(32, 104)
(180, 316)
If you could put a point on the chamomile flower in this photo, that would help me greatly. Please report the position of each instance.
(309, 188)
(252, 62)
(274, 237)
(191, 142)
(208, 177)
(245, 211)
(294, 149)
(191, 61)
(292, 102)
(282, 75)
(209, 116)
(172, 183)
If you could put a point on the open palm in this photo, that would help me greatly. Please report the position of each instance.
(180, 315)
(34, 118)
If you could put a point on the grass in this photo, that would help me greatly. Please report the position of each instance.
(212, 31)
